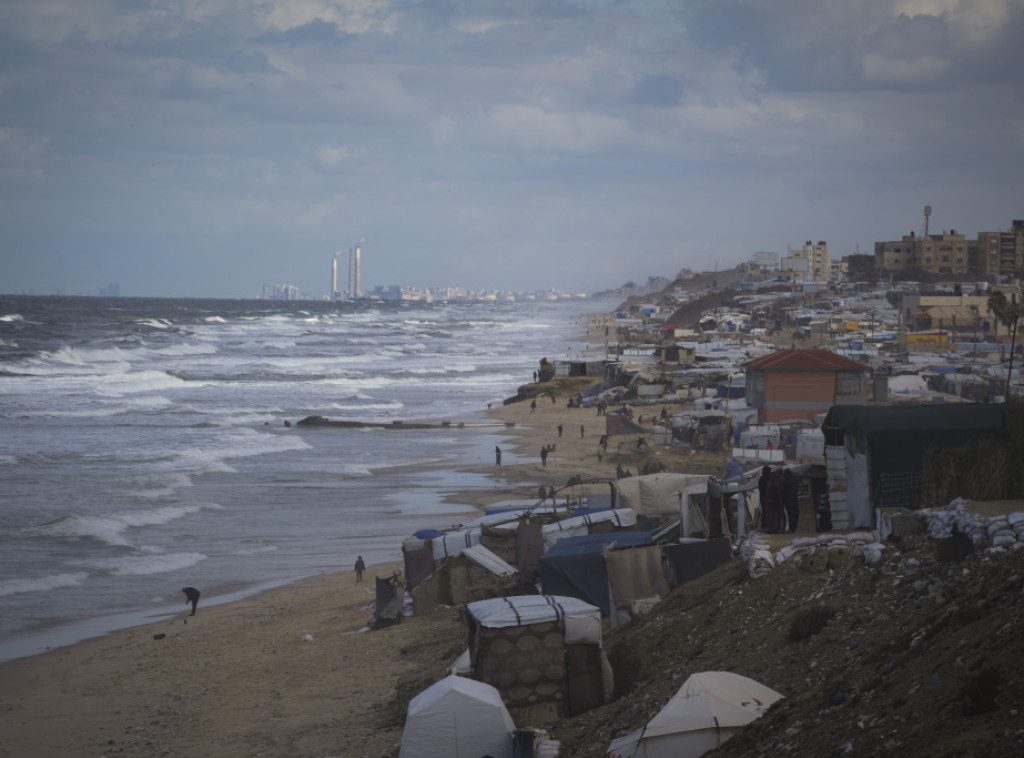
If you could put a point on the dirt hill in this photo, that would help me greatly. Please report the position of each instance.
(914, 656)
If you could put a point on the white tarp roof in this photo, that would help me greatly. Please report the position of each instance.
(455, 717)
(485, 558)
(658, 494)
(578, 526)
(707, 710)
(582, 620)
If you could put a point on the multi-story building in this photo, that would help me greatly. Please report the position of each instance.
(811, 263)
(944, 253)
(1002, 253)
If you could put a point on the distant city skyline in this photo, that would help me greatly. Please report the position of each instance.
(204, 149)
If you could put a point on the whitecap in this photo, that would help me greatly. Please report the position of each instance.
(110, 527)
(40, 584)
(144, 565)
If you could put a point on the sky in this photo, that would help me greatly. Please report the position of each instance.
(204, 148)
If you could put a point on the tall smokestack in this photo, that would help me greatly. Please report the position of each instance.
(357, 290)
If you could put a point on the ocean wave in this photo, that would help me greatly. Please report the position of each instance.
(12, 318)
(111, 527)
(182, 349)
(40, 584)
(8, 460)
(144, 565)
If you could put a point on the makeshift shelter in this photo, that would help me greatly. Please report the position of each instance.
(658, 494)
(541, 652)
(576, 566)
(390, 602)
(875, 454)
(707, 710)
(457, 717)
(475, 574)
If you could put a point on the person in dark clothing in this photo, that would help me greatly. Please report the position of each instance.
(789, 500)
(544, 456)
(762, 489)
(191, 596)
(360, 568)
(497, 455)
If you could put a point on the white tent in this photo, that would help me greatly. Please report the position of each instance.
(457, 717)
(707, 710)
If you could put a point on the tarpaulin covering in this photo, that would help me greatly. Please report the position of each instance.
(634, 574)
(694, 558)
(575, 566)
(658, 494)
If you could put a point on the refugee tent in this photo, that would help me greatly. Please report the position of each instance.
(658, 494)
(575, 566)
(707, 710)
(457, 717)
(475, 574)
(541, 652)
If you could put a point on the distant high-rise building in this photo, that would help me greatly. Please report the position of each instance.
(1002, 253)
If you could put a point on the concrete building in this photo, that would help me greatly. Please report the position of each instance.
(811, 263)
(945, 253)
(800, 384)
(1002, 253)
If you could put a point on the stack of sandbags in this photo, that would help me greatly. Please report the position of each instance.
(756, 552)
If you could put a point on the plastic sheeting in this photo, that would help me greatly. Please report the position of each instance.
(582, 620)
(658, 494)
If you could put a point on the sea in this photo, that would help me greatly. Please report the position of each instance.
(148, 444)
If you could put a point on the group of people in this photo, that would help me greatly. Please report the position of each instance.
(780, 508)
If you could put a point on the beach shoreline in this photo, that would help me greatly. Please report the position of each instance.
(226, 681)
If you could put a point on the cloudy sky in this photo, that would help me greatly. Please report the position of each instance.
(207, 147)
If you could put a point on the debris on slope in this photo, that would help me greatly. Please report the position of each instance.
(906, 646)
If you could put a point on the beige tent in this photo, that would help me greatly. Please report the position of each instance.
(707, 710)
(659, 494)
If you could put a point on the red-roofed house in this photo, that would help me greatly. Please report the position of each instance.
(798, 384)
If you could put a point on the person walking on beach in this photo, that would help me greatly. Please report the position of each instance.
(360, 568)
(582, 429)
(497, 455)
(559, 430)
(191, 596)
(533, 406)
(544, 456)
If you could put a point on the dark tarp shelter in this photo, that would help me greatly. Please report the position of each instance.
(575, 566)
(895, 438)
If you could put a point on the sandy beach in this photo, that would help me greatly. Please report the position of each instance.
(292, 671)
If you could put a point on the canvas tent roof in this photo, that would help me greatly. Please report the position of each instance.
(707, 710)
(582, 620)
(658, 494)
(457, 717)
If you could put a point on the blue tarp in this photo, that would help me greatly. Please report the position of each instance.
(575, 567)
(426, 534)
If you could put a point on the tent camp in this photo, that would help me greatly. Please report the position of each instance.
(707, 710)
(457, 717)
